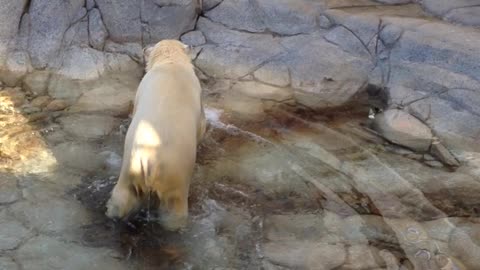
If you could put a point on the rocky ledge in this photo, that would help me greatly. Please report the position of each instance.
(420, 57)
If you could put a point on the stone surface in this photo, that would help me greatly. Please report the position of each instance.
(273, 73)
(77, 34)
(49, 19)
(361, 257)
(12, 232)
(290, 17)
(40, 101)
(122, 19)
(7, 263)
(17, 66)
(461, 11)
(11, 13)
(444, 155)
(464, 244)
(304, 254)
(89, 64)
(43, 252)
(362, 229)
(9, 192)
(293, 227)
(403, 129)
(441, 49)
(134, 50)
(89, 4)
(112, 162)
(439, 229)
(395, 2)
(56, 105)
(77, 155)
(15, 96)
(327, 81)
(286, 17)
(237, 53)
(88, 126)
(97, 33)
(193, 38)
(37, 82)
(331, 48)
(238, 14)
(52, 216)
(180, 16)
(209, 4)
(113, 99)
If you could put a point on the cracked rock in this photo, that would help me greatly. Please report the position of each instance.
(97, 33)
(193, 38)
(273, 73)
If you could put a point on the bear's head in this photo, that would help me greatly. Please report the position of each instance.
(166, 51)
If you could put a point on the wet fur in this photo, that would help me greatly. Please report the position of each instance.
(160, 146)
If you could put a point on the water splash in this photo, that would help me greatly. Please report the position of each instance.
(213, 117)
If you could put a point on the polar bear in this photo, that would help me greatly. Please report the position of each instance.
(168, 122)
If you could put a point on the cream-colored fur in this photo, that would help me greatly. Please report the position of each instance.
(160, 146)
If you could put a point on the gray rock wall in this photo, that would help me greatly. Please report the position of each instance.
(320, 53)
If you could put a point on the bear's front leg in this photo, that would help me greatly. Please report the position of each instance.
(123, 200)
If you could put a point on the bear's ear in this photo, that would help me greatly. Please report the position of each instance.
(146, 52)
(187, 48)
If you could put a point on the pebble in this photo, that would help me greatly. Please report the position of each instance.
(56, 105)
(434, 164)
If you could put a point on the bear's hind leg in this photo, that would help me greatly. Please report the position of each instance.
(174, 210)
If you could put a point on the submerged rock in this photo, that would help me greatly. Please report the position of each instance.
(88, 126)
(444, 155)
(465, 244)
(360, 257)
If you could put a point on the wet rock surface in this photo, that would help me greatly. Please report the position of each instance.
(296, 190)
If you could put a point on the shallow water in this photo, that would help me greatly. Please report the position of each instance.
(287, 189)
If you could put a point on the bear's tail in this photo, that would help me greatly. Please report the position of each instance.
(146, 167)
